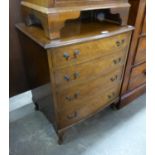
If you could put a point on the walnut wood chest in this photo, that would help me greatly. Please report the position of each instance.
(79, 72)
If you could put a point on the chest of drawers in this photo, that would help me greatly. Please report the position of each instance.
(80, 76)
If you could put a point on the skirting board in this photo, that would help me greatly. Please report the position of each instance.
(20, 100)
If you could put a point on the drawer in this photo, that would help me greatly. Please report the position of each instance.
(141, 51)
(79, 95)
(75, 74)
(94, 104)
(78, 53)
(138, 76)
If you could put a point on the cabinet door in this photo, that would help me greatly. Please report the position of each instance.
(141, 51)
(138, 76)
(141, 47)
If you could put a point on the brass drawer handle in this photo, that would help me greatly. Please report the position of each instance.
(67, 78)
(75, 96)
(123, 41)
(76, 75)
(114, 78)
(111, 95)
(119, 43)
(69, 98)
(73, 115)
(76, 53)
(117, 61)
(66, 55)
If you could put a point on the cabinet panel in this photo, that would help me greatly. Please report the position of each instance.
(141, 51)
(138, 76)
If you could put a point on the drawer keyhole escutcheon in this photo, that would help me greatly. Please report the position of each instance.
(73, 115)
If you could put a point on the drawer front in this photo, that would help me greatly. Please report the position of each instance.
(73, 115)
(76, 74)
(80, 94)
(141, 51)
(138, 76)
(78, 53)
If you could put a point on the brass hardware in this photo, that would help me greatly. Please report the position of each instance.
(73, 115)
(76, 75)
(112, 95)
(76, 53)
(118, 43)
(119, 59)
(66, 77)
(75, 96)
(116, 61)
(123, 41)
(114, 78)
(69, 98)
(66, 55)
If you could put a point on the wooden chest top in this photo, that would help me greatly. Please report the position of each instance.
(67, 3)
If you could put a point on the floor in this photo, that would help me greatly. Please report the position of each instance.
(110, 132)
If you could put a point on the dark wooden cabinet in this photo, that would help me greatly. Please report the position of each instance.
(134, 83)
(18, 82)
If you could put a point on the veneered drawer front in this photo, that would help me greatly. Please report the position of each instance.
(78, 53)
(94, 104)
(80, 94)
(141, 51)
(75, 74)
(138, 76)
